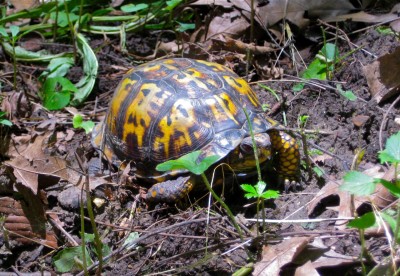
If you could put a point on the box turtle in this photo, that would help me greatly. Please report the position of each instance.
(167, 108)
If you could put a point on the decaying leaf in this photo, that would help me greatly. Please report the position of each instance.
(380, 198)
(230, 24)
(274, 257)
(382, 75)
(32, 166)
(25, 223)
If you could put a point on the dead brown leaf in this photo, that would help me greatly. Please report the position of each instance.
(306, 270)
(274, 257)
(32, 166)
(382, 75)
(230, 24)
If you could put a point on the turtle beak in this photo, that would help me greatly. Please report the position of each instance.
(263, 145)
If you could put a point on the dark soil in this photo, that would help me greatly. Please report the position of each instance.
(179, 239)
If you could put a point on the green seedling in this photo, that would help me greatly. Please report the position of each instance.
(78, 122)
(258, 191)
(56, 93)
(3, 120)
(70, 259)
(348, 94)
(357, 183)
(190, 162)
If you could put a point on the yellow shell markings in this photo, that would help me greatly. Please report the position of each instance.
(140, 113)
(242, 87)
(177, 121)
(215, 66)
(222, 107)
(123, 91)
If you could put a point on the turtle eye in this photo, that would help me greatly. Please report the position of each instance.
(246, 148)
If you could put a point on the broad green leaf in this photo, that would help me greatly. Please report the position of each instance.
(270, 194)
(90, 67)
(5, 122)
(58, 67)
(14, 31)
(390, 186)
(348, 94)
(133, 7)
(391, 153)
(183, 27)
(358, 183)
(67, 260)
(251, 191)
(62, 18)
(330, 52)
(3, 32)
(318, 171)
(189, 162)
(316, 70)
(78, 122)
(171, 4)
(365, 221)
(57, 92)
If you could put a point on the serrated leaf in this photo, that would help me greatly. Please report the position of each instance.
(270, 194)
(391, 153)
(358, 183)
(365, 221)
(249, 189)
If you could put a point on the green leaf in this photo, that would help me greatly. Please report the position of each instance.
(358, 183)
(189, 162)
(316, 70)
(134, 8)
(260, 187)
(391, 153)
(23, 55)
(4, 33)
(171, 4)
(5, 122)
(57, 92)
(365, 221)
(14, 31)
(62, 18)
(78, 122)
(318, 171)
(70, 259)
(130, 240)
(389, 217)
(348, 94)
(90, 67)
(330, 52)
(390, 186)
(251, 191)
(183, 27)
(58, 67)
(270, 194)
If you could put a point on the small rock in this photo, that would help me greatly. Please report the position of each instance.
(360, 120)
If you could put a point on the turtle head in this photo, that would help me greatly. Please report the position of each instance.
(243, 159)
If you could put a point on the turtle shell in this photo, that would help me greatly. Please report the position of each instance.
(164, 109)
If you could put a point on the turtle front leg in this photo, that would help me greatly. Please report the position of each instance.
(170, 191)
(288, 156)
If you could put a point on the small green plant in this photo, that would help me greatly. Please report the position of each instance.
(323, 67)
(70, 259)
(3, 120)
(78, 122)
(357, 183)
(56, 92)
(14, 30)
(190, 162)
